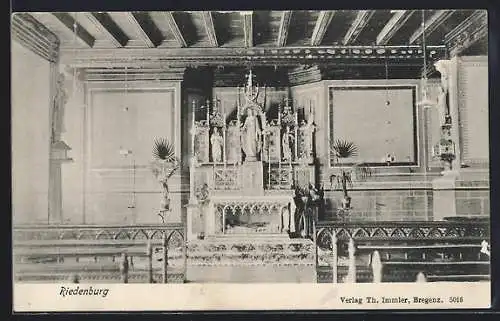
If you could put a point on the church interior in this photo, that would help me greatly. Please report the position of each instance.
(241, 146)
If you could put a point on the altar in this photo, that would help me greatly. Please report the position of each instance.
(244, 171)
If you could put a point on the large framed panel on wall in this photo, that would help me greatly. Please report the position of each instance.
(129, 122)
(380, 120)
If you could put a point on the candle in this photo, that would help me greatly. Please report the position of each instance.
(208, 112)
(290, 176)
(279, 115)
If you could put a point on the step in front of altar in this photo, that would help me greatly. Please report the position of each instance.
(250, 251)
(251, 259)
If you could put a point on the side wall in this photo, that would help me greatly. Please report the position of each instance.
(30, 121)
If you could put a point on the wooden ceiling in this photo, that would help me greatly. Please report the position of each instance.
(202, 29)
(347, 42)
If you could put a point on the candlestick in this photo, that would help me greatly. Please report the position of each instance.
(193, 132)
(224, 138)
(296, 136)
(193, 129)
(279, 158)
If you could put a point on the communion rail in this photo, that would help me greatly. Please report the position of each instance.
(100, 253)
(440, 250)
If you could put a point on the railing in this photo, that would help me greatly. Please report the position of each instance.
(399, 251)
(147, 253)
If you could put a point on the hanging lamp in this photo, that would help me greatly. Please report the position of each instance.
(387, 100)
(75, 29)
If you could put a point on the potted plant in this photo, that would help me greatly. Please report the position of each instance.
(341, 150)
(163, 166)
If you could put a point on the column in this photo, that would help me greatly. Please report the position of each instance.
(449, 81)
(444, 198)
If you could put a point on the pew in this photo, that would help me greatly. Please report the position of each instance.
(456, 253)
(98, 260)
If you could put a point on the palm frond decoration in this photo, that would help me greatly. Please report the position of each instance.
(163, 166)
(163, 150)
(343, 149)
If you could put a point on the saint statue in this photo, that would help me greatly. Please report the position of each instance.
(285, 145)
(308, 128)
(251, 136)
(442, 106)
(442, 67)
(217, 141)
(60, 100)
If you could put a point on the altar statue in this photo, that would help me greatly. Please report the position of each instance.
(60, 100)
(251, 136)
(285, 144)
(217, 141)
(233, 145)
(308, 129)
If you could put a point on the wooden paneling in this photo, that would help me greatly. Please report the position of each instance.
(473, 105)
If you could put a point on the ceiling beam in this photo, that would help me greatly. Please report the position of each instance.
(81, 34)
(324, 19)
(35, 36)
(209, 27)
(393, 25)
(108, 28)
(247, 16)
(357, 26)
(143, 34)
(286, 16)
(467, 33)
(282, 56)
(431, 25)
(169, 17)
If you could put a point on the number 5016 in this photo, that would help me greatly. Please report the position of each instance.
(456, 299)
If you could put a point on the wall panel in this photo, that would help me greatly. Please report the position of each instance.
(121, 188)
